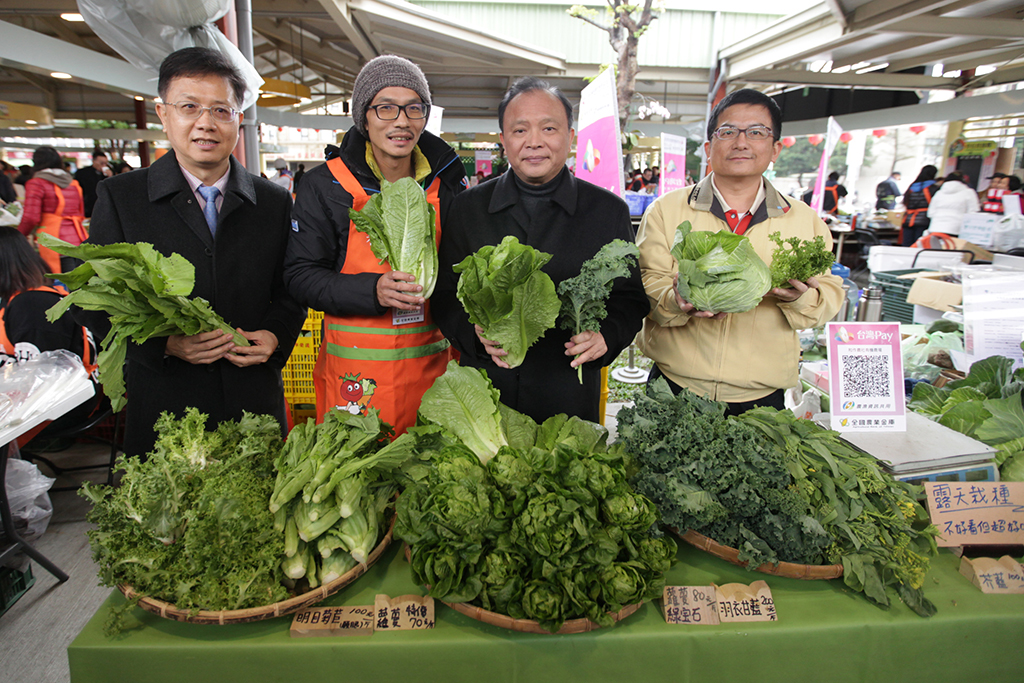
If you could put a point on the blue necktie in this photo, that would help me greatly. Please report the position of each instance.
(210, 194)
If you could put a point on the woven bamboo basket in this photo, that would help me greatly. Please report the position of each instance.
(278, 609)
(786, 569)
(529, 625)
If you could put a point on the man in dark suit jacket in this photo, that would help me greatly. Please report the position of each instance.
(199, 202)
(543, 205)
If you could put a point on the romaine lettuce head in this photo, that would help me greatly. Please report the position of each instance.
(402, 229)
(719, 271)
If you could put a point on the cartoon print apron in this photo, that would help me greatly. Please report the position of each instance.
(50, 224)
(387, 361)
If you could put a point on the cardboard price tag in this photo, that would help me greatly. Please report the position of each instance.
(689, 605)
(333, 621)
(404, 613)
(739, 602)
(1004, 575)
(976, 513)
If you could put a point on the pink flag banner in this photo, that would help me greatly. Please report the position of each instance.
(598, 143)
(673, 163)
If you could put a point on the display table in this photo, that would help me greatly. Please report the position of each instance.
(824, 633)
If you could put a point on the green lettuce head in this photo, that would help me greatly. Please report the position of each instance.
(719, 271)
(546, 603)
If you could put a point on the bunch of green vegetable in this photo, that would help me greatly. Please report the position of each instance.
(402, 228)
(145, 294)
(779, 489)
(797, 259)
(719, 271)
(546, 527)
(985, 405)
(189, 524)
(880, 533)
(334, 482)
(504, 291)
(583, 297)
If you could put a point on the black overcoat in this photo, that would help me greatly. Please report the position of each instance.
(239, 273)
(580, 219)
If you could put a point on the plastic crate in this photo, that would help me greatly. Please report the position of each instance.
(894, 294)
(13, 585)
(298, 371)
(638, 203)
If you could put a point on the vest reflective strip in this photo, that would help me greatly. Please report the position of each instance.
(349, 353)
(381, 330)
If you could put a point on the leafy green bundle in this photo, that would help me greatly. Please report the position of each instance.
(583, 297)
(143, 292)
(986, 405)
(870, 516)
(334, 483)
(719, 271)
(797, 259)
(402, 229)
(547, 529)
(190, 524)
(504, 291)
(778, 488)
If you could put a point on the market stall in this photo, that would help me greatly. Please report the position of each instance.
(824, 632)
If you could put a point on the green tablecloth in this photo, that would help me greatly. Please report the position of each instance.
(824, 633)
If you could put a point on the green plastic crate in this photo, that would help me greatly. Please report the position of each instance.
(894, 294)
(13, 585)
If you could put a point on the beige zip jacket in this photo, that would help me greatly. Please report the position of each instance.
(745, 356)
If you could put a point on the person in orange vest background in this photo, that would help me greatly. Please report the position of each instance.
(916, 200)
(54, 205)
(25, 296)
(380, 348)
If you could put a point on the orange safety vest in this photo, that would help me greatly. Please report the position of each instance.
(377, 361)
(50, 224)
(834, 191)
(910, 216)
(7, 346)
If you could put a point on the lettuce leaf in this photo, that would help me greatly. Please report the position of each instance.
(504, 291)
(463, 402)
(719, 271)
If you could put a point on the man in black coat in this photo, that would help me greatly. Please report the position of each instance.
(543, 205)
(89, 179)
(199, 202)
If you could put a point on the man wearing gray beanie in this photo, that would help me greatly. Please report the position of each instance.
(379, 338)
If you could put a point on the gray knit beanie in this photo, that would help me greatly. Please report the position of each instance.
(382, 72)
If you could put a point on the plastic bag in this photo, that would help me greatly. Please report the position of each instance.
(33, 386)
(11, 214)
(804, 404)
(918, 348)
(30, 504)
(1008, 233)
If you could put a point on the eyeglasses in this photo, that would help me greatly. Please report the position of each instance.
(191, 110)
(390, 112)
(758, 133)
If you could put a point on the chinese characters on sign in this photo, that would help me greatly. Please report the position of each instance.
(1004, 575)
(333, 621)
(866, 369)
(974, 513)
(404, 613)
(711, 605)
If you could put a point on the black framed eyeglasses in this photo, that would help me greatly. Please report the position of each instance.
(191, 110)
(390, 112)
(758, 132)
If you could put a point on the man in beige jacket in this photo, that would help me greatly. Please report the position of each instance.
(744, 359)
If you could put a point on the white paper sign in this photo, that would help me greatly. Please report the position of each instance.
(977, 228)
(994, 315)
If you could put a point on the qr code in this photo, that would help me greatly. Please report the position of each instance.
(866, 376)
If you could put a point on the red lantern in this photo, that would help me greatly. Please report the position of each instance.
(917, 130)
(788, 141)
(878, 132)
(846, 137)
(815, 139)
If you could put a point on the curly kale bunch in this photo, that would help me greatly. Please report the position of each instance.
(797, 259)
(718, 477)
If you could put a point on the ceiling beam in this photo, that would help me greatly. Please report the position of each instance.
(937, 56)
(873, 80)
(281, 34)
(958, 27)
(64, 31)
(341, 13)
(994, 58)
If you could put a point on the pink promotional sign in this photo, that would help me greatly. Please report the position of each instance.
(866, 371)
(673, 163)
(484, 161)
(598, 147)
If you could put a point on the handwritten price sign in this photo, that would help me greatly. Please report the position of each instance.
(976, 513)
